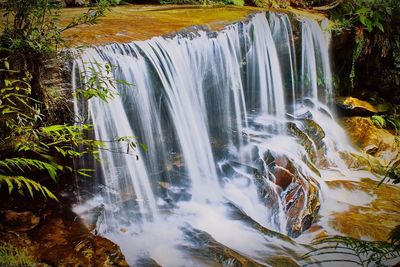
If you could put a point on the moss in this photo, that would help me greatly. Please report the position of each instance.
(12, 256)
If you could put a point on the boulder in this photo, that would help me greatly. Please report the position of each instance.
(19, 221)
(351, 106)
(298, 192)
(379, 143)
(58, 239)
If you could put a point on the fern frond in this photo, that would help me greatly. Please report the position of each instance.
(25, 164)
(23, 182)
(377, 253)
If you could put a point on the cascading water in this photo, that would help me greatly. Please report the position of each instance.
(211, 108)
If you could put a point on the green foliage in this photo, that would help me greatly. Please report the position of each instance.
(30, 148)
(31, 26)
(387, 121)
(360, 42)
(369, 18)
(235, 2)
(374, 24)
(352, 250)
(379, 121)
(394, 121)
(392, 174)
(368, 14)
(34, 144)
(48, 149)
(97, 82)
(23, 182)
(11, 256)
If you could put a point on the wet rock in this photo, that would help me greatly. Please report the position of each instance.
(204, 247)
(284, 170)
(281, 261)
(146, 262)
(303, 139)
(363, 162)
(302, 204)
(315, 132)
(121, 25)
(374, 220)
(310, 136)
(19, 221)
(59, 238)
(238, 214)
(101, 252)
(350, 106)
(372, 140)
(298, 192)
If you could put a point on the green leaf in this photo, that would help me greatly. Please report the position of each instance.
(380, 26)
(378, 121)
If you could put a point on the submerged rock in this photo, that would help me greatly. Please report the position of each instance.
(205, 248)
(374, 220)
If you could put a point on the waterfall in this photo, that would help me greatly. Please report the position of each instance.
(211, 107)
(316, 81)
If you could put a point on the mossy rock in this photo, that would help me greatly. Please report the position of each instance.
(314, 131)
(303, 139)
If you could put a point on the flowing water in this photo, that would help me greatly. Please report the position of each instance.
(210, 108)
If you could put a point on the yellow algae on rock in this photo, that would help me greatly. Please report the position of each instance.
(139, 22)
(372, 140)
(358, 103)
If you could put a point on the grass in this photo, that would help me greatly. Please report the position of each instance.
(12, 256)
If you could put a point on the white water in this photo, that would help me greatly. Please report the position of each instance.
(209, 106)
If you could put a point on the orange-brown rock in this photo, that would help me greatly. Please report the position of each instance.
(377, 142)
(299, 193)
(373, 221)
(283, 172)
(19, 221)
(60, 239)
(129, 23)
(351, 106)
